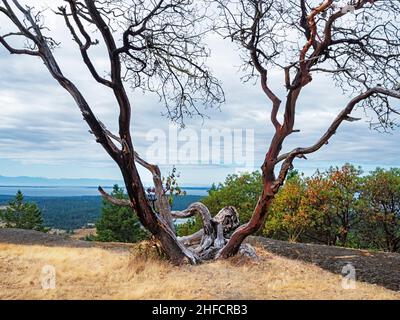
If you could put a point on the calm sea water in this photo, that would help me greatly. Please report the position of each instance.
(75, 191)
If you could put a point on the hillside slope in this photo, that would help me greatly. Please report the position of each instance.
(116, 271)
(375, 267)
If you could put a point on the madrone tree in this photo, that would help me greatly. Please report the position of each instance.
(153, 45)
(156, 45)
(357, 43)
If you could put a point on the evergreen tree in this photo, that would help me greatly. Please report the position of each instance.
(118, 224)
(22, 215)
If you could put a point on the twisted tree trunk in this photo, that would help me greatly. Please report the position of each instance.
(205, 244)
(209, 241)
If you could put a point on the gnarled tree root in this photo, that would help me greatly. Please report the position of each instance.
(208, 242)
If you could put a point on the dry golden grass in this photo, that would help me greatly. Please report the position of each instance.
(95, 273)
(83, 233)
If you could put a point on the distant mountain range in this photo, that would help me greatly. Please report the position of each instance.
(40, 181)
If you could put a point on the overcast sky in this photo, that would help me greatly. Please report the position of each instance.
(42, 132)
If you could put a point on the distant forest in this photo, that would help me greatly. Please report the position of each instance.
(74, 212)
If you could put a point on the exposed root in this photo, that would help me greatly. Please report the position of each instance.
(207, 242)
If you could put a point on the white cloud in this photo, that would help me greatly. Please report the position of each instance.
(40, 124)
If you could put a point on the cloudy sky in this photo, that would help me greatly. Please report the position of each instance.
(42, 132)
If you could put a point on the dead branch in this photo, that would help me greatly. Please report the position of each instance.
(114, 201)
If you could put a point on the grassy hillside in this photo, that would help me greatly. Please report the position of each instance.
(120, 271)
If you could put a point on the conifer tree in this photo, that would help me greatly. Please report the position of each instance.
(117, 223)
(23, 215)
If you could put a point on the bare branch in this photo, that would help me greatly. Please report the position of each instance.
(43, 45)
(17, 51)
(83, 47)
(344, 115)
(114, 201)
